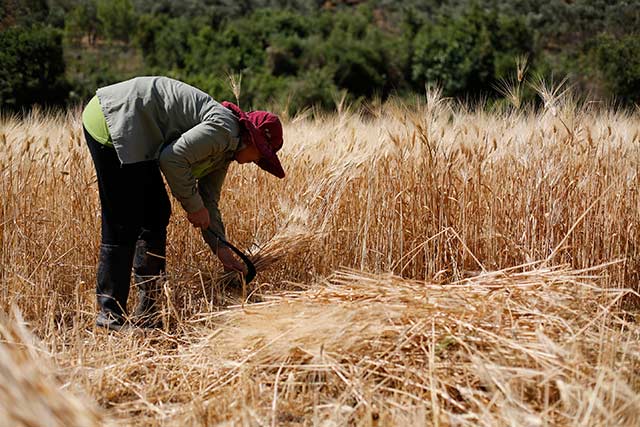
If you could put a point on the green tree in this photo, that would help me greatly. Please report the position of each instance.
(23, 12)
(511, 38)
(466, 54)
(165, 41)
(31, 67)
(455, 53)
(619, 62)
(359, 54)
(82, 21)
(117, 19)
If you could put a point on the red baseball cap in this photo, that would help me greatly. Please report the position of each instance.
(265, 131)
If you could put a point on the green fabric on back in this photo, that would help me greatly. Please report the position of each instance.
(95, 123)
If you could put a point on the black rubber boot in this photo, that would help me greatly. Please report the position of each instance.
(148, 268)
(112, 290)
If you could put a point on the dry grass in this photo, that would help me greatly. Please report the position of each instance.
(30, 395)
(423, 266)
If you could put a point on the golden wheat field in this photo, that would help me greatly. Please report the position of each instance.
(420, 265)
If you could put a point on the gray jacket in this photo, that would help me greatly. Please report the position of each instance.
(158, 118)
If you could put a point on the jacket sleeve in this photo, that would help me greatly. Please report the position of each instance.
(204, 140)
(210, 188)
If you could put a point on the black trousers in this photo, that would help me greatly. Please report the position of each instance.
(135, 213)
(133, 198)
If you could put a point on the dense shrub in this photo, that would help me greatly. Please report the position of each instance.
(164, 41)
(82, 21)
(466, 54)
(619, 62)
(31, 67)
(117, 19)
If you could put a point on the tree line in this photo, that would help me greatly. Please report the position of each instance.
(294, 54)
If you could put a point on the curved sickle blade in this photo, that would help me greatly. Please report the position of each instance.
(251, 269)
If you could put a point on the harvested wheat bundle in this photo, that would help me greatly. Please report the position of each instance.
(510, 347)
(29, 394)
(290, 243)
(293, 241)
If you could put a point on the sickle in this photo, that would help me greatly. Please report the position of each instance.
(251, 269)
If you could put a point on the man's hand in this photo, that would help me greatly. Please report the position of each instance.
(229, 261)
(199, 218)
